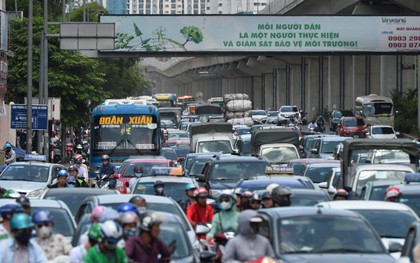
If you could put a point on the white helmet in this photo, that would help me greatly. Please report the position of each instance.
(129, 218)
(270, 187)
(111, 231)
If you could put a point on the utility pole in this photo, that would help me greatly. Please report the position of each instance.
(29, 81)
(45, 74)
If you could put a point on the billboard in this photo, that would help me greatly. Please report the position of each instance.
(266, 34)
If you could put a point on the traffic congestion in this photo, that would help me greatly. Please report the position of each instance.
(173, 179)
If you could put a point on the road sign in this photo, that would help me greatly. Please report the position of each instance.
(39, 116)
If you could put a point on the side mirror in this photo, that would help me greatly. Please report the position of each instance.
(202, 230)
(314, 151)
(394, 247)
(181, 159)
(323, 185)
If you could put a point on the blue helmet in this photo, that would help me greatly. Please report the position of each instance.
(128, 207)
(7, 145)
(190, 186)
(42, 216)
(20, 221)
(62, 173)
(158, 182)
(10, 209)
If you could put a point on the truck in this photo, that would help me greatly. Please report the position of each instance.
(211, 137)
(277, 145)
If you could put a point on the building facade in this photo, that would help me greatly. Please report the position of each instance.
(235, 6)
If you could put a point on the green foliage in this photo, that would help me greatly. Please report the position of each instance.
(406, 105)
(192, 33)
(92, 11)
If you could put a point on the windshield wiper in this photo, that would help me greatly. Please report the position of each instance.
(135, 148)
(116, 146)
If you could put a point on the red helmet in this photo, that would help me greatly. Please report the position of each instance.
(201, 191)
(392, 191)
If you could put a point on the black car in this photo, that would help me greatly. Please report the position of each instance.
(224, 171)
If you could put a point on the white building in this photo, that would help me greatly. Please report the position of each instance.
(235, 6)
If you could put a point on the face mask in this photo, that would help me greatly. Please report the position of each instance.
(224, 205)
(105, 163)
(130, 232)
(44, 232)
(255, 228)
(159, 190)
(110, 246)
(23, 238)
(141, 209)
(138, 174)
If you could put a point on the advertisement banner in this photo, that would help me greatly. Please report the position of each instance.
(234, 33)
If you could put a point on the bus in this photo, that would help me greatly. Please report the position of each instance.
(375, 109)
(123, 129)
(186, 99)
(166, 99)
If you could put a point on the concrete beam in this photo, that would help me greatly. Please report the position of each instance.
(254, 63)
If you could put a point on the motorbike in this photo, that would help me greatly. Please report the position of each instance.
(221, 239)
(106, 181)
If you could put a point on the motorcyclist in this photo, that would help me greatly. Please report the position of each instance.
(77, 254)
(159, 186)
(20, 248)
(267, 201)
(7, 212)
(281, 196)
(255, 201)
(245, 200)
(312, 125)
(62, 176)
(138, 172)
(10, 154)
(73, 172)
(82, 172)
(107, 250)
(189, 192)
(147, 246)
(200, 212)
(129, 224)
(341, 194)
(320, 122)
(54, 245)
(227, 218)
(139, 202)
(108, 169)
(247, 245)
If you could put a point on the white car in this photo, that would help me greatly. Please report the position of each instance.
(259, 116)
(381, 132)
(286, 112)
(390, 220)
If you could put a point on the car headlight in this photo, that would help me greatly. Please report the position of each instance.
(35, 194)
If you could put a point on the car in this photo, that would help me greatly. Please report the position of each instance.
(333, 181)
(352, 127)
(306, 143)
(126, 171)
(317, 234)
(387, 156)
(189, 159)
(324, 146)
(176, 142)
(374, 172)
(286, 112)
(154, 203)
(243, 144)
(381, 132)
(223, 172)
(299, 165)
(375, 190)
(174, 187)
(273, 117)
(410, 195)
(391, 220)
(64, 222)
(239, 130)
(174, 134)
(25, 177)
(197, 166)
(412, 239)
(336, 116)
(259, 183)
(170, 154)
(259, 116)
(318, 172)
(73, 197)
(278, 154)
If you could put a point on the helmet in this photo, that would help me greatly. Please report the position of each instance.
(23, 201)
(147, 220)
(128, 207)
(158, 182)
(270, 187)
(341, 192)
(135, 199)
(201, 191)
(79, 147)
(255, 197)
(247, 194)
(72, 167)
(71, 180)
(78, 158)
(7, 145)
(105, 157)
(190, 186)
(42, 216)
(62, 173)
(266, 195)
(94, 216)
(108, 214)
(111, 231)
(238, 191)
(10, 209)
(280, 191)
(20, 221)
(392, 191)
(138, 169)
(129, 218)
(95, 232)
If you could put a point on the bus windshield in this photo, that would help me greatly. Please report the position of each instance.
(121, 132)
(377, 109)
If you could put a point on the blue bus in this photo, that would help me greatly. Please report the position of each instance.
(123, 129)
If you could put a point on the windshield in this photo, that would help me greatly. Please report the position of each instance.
(147, 168)
(259, 112)
(273, 113)
(382, 130)
(279, 155)
(326, 234)
(382, 156)
(172, 189)
(234, 171)
(177, 135)
(197, 167)
(389, 223)
(375, 175)
(412, 200)
(318, 174)
(288, 109)
(30, 173)
(337, 114)
(170, 155)
(377, 109)
(329, 146)
(123, 132)
(214, 146)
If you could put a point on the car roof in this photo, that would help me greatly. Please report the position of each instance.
(312, 160)
(293, 181)
(384, 167)
(165, 179)
(327, 164)
(379, 183)
(37, 203)
(147, 160)
(112, 199)
(412, 188)
(235, 158)
(34, 163)
(285, 212)
(365, 205)
(351, 118)
(81, 190)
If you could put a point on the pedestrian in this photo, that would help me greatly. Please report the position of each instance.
(10, 154)
(20, 248)
(62, 176)
(54, 245)
(77, 254)
(248, 244)
(107, 250)
(147, 246)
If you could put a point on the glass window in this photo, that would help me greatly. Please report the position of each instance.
(236, 171)
(172, 235)
(31, 173)
(375, 175)
(147, 168)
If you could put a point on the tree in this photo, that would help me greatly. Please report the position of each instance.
(406, 105)
(76, 79)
